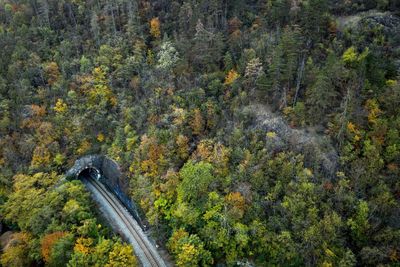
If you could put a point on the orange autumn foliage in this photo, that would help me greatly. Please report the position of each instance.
(234, 24)
(231, 77)
(155, 27)
(38, 111)
(154, 156)
(214, 153)
(35, 114)
(48, 242)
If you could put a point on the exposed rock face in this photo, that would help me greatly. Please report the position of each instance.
(110, 175)
(5, 239)
(390, 23)
(317, 149)
(387, 24)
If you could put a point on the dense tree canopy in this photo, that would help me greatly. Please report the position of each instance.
(261, 132)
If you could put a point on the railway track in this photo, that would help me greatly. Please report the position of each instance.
(153, 260)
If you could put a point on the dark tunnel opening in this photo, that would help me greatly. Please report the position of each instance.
(89, 172)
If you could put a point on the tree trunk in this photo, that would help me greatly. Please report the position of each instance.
(300, 72)
(299, 78)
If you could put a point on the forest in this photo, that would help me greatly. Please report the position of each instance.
(251, 132)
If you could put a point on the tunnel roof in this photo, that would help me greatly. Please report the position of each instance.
(89, 161)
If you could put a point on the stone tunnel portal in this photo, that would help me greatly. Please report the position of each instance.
(107, 172)
(89, 172)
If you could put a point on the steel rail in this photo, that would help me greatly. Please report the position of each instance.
(116, 206)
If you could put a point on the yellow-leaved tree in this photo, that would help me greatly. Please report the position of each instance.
(60, 107)
(231, 77)
(121, 255)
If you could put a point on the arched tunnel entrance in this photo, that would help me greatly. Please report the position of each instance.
(107, 172)
(109, 188)
(89, 172)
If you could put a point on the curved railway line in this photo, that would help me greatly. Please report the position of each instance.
(153, 259)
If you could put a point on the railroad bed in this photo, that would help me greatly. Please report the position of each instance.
(126, 224)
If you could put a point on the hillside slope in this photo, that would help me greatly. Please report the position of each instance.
(257, 132)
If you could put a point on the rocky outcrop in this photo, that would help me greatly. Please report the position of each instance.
(5, 240)
(389, 23)
(317, 149)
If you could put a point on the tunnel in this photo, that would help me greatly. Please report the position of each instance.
(89, 172)
(108, 173)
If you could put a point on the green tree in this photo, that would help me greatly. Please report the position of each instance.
(189, 250)
(196, 179)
